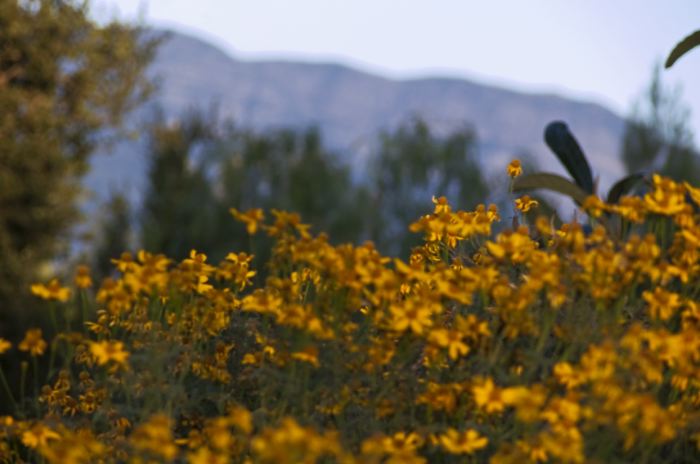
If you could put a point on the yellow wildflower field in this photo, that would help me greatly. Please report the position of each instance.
(536, 344)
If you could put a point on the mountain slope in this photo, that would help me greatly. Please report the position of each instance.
(351, 107)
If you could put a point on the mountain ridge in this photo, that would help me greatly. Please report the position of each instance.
(351, 107)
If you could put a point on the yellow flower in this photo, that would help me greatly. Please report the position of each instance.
(516, 244)
(565, 443)
(450, 339)
(251, 218)
(525, 203)
(667, 197)
(38, 436)
(206, 456)
(33, 342)
(514, 168)
(52, 291)
(290, 442)
(309, 355)
(462, 442)
(241, 418)
(488, 396)
(106, 351)
(410, 316)
(534, 451)
(693, 192)
(441, 396)
(566, 375)
(527, 401)
(594, 206)
(402, 442)
(4, 345)
(662, 304)
(73, 447)
(155, 436)
(82, 277)
(544, 226)
(631, 208)
(441, 205)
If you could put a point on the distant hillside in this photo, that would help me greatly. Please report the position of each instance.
(351, 107)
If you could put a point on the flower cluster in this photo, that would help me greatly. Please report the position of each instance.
(536, 344)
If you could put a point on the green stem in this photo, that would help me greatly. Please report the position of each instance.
(83, 307)
(23, 381)
(54, 322)
(52, 355)
(7, 389)
(35, 370)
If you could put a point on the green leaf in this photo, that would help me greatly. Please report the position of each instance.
(562, 142)
(683, 47)
(623, 186)
(550, 181)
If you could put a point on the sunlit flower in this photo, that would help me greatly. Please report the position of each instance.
(33, 343)
(662, 304)
(465, 442)
(525, 203)
(411, 315)
(241, 418)
(594, 206)
(4, 345)
(205, 456)
(514, 168)
(527, 401)
(544, 226)
(106, 351)
(309, 355)
(534, 451)
(566, 375)
(51, 291)
(251, 218)
(517, 245)
(441, 205)
(453, 340)
(402, 442)
(667, 197)
(291, 439)
(38, 436)
(155, 436)
(488, 396)
(631, 208)
(82, 277)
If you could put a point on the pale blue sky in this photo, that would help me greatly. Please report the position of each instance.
(588, 49)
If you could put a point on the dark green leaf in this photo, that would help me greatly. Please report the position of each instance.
(623, 186)
(550, 181)
(562, 142)
(683, 47)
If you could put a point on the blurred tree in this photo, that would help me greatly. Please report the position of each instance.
(179, 205)
(65, 86)
(115, 228)
(411, 166)
(657, 135)
(200, 170)
(292, 171)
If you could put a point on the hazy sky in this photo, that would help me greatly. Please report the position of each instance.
(599, 50)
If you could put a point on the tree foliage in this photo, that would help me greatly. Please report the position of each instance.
(413, 164)
(115, 230)
(177, 209)
(65, 86)
(199, 169)
(657, 135)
